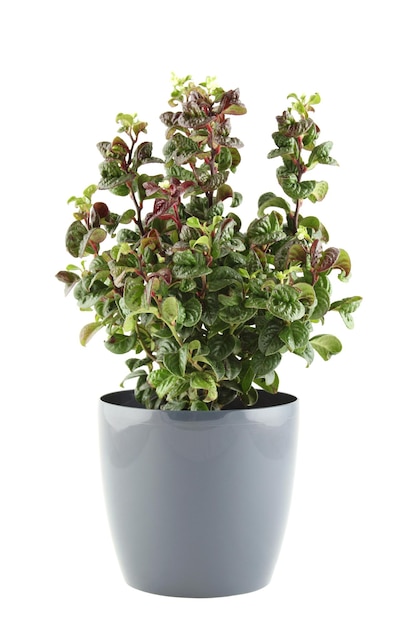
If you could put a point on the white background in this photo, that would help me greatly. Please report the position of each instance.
(349, 555)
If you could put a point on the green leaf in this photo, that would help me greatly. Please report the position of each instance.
(314, 99)
(307, 293)
(295, 336)
(284, 304)
(204, 380)
(87, 298)
(285, 145)
(176, 362)
(170, 310)
(310, 222)
(247, 376)
(326, 345)
(321, 154)
(346, 307)
(133, 292)
(269, 199)
(194, 222)
(237, 200)
(180, 149)
(270, 386)
(343, 263)
(126, 218)
(88, 331)
(74, 236)
(306, 353)
(319, 192)
(224, 159)
(120, 344)
(163, 381)
(221, 346)
(198, 405)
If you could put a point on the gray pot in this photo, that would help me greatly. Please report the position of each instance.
(198, 501)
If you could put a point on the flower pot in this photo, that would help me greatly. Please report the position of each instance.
(198, 501)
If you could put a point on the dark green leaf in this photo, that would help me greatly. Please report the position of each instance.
(269, 341)
(297, 190)
(189, 264)
(221, 346)
(246, 377)
(295, 335)
(236, 314)
(232, 367)
(321, 154)
(193, 310)
(263, 365)
(104, 147)
(75, 235)
(223, 276)
(269, 199)
(224, 159)
(266, 230)
(323, 303)
(176, 362)
(87, 298)
(120, 344)
(237, 200)
(284, 303)
(217, 366)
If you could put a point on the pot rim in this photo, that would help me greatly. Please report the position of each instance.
(267, 404)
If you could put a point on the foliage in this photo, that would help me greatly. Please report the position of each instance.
(206, 310)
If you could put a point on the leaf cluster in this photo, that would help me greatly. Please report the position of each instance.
(205, 310)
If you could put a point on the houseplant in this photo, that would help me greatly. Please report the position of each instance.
(206, 312)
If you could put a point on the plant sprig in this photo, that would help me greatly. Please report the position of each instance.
(207, 310)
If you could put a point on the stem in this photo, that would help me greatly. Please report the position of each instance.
(209, 194)
(297, 209)
(138, 220)
(300, 166)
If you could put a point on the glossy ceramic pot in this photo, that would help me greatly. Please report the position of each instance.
(198, 501)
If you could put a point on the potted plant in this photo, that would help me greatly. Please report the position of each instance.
(198, 458)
